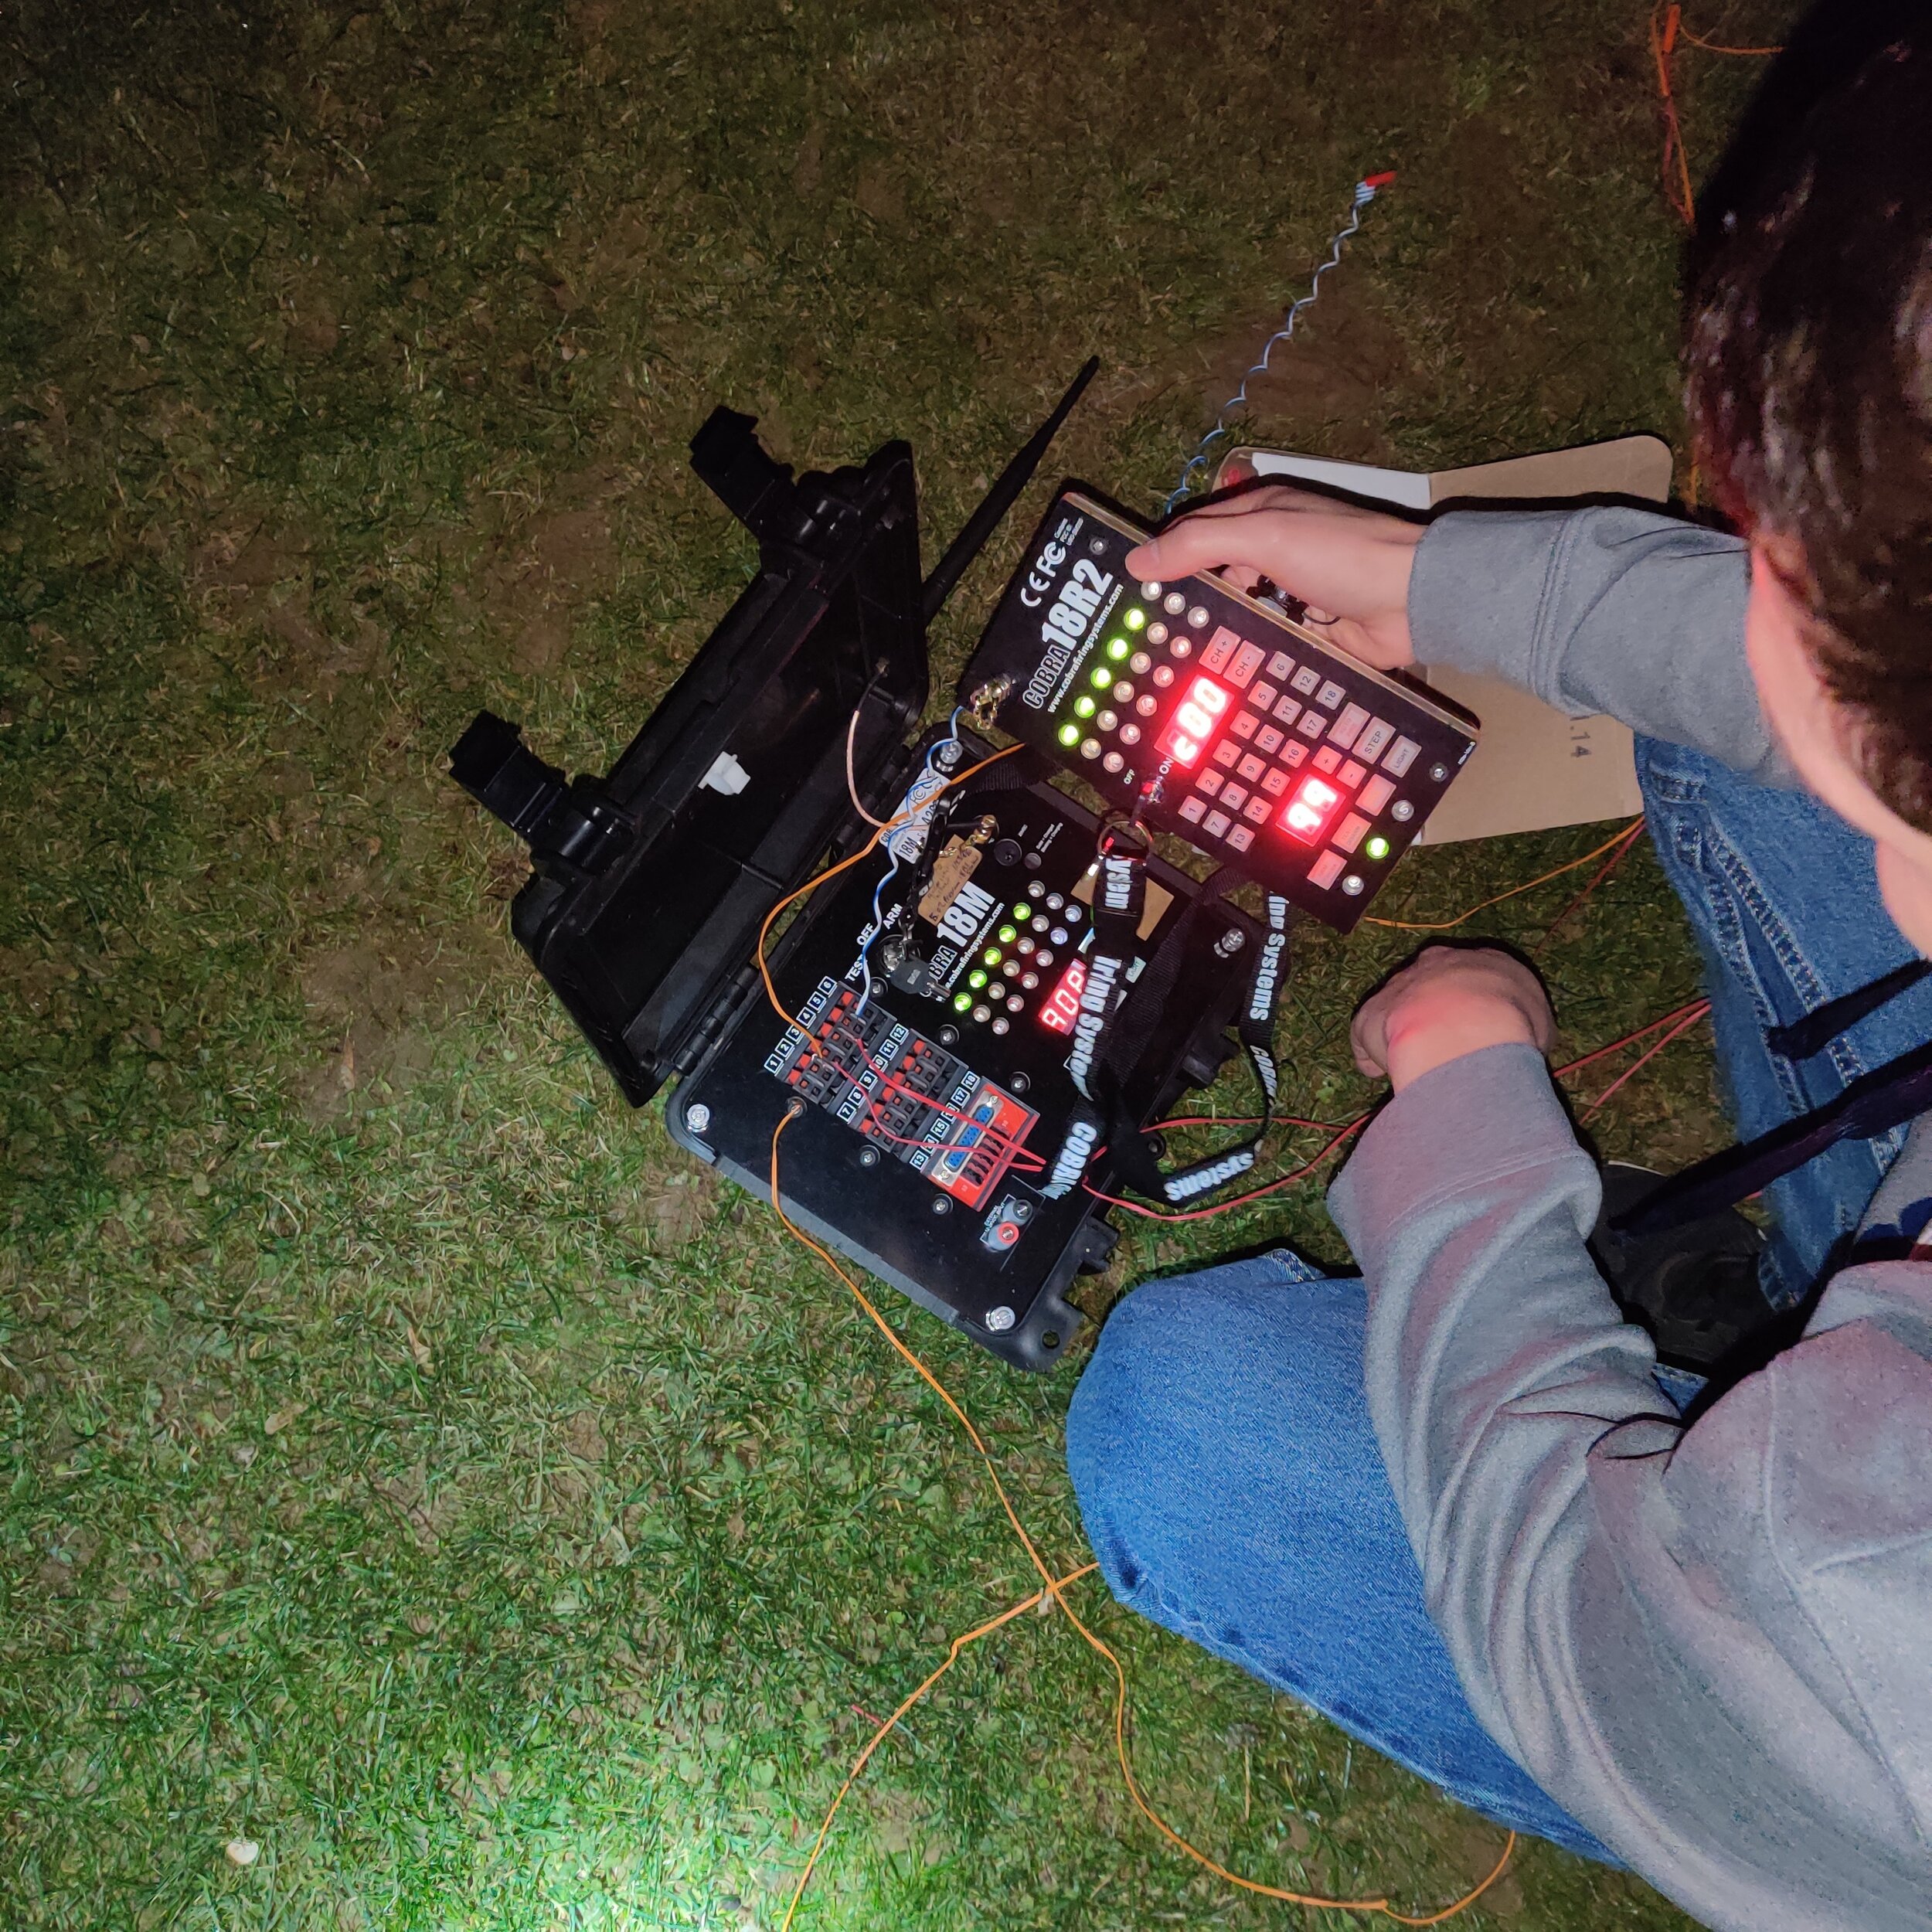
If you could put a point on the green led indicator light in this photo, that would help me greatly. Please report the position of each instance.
(1377, 848)
(1134, 619)
(1117, 648)
(1084, 707)
(1102, 677)
(975, 979)
(992, 955)
(1007, 934)
(962, 1002)
(1022, 910)
(1069, 734)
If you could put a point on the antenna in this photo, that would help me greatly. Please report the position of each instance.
(1000, 498)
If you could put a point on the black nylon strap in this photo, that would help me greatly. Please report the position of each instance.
(1886, 1097)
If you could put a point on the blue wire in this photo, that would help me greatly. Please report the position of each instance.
(1363, 194)
(892, 871)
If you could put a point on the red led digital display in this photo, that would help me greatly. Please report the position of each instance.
(1306, 814)
(1062, 1006)
(1196, 718)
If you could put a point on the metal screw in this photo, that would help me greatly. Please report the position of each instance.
(869, 1157)
(1021, 1212)
(948, 755)
(1000, 1319)
(697, 1116)
(1438, 773)
(941, 1205)
(1098, 546)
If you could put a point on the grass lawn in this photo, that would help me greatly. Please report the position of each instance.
(416, 1467)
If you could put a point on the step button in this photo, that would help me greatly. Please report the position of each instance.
(1374, 740)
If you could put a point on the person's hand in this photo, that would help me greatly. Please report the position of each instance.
(1449, 1000)
(1350, 566)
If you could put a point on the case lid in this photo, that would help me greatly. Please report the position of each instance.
(649, 884)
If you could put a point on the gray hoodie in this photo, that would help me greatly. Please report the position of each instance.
(1713, 1645)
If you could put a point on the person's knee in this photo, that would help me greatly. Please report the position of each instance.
(1165, 1379)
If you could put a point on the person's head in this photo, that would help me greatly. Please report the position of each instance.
(1810, 386)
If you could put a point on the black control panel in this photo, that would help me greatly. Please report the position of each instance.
(1213, 716)
(929, 1045)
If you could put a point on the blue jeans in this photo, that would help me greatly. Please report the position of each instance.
(1220, 1441)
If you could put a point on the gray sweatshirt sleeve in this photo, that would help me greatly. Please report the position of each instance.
(1708, 1645)
(1616, 610)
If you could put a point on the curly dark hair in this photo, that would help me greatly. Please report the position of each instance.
(1809, 375)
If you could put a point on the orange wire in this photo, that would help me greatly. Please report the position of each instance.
(885, 1729)
(1667, 28)
(1052, 1588)
(1448, 925)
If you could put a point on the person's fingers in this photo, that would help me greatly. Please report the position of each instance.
(1202, 543)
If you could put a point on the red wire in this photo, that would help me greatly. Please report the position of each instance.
(1643, 1059)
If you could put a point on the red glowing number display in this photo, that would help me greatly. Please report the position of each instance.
(1062, 1006)
(1307, 813)
(1196, 719)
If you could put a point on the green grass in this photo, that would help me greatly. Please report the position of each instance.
(416, 1465)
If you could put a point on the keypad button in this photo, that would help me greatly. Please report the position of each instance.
(1234, 796)
(1251, 767)
(1305, 680)
(1375, 795)
(1288, 710)
(1328, 759)
(1163, 677)
(1267, 739)
(1274, 782)
(1209, 782)
(1219, 649)
(1244, 725)
(1326, 870)
(1311, 724)
(1240, 837)
(1247, 661)
(1215, 823)
(1192, 809)
(1330, 695)
(1401, 754)
(1262, 696)
(1256, 810)
(1294, 753)
(1225, 753)
(1347, 727)
(1352, 774)
(1374, 740)
(1280, 665)
(1348, 835)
